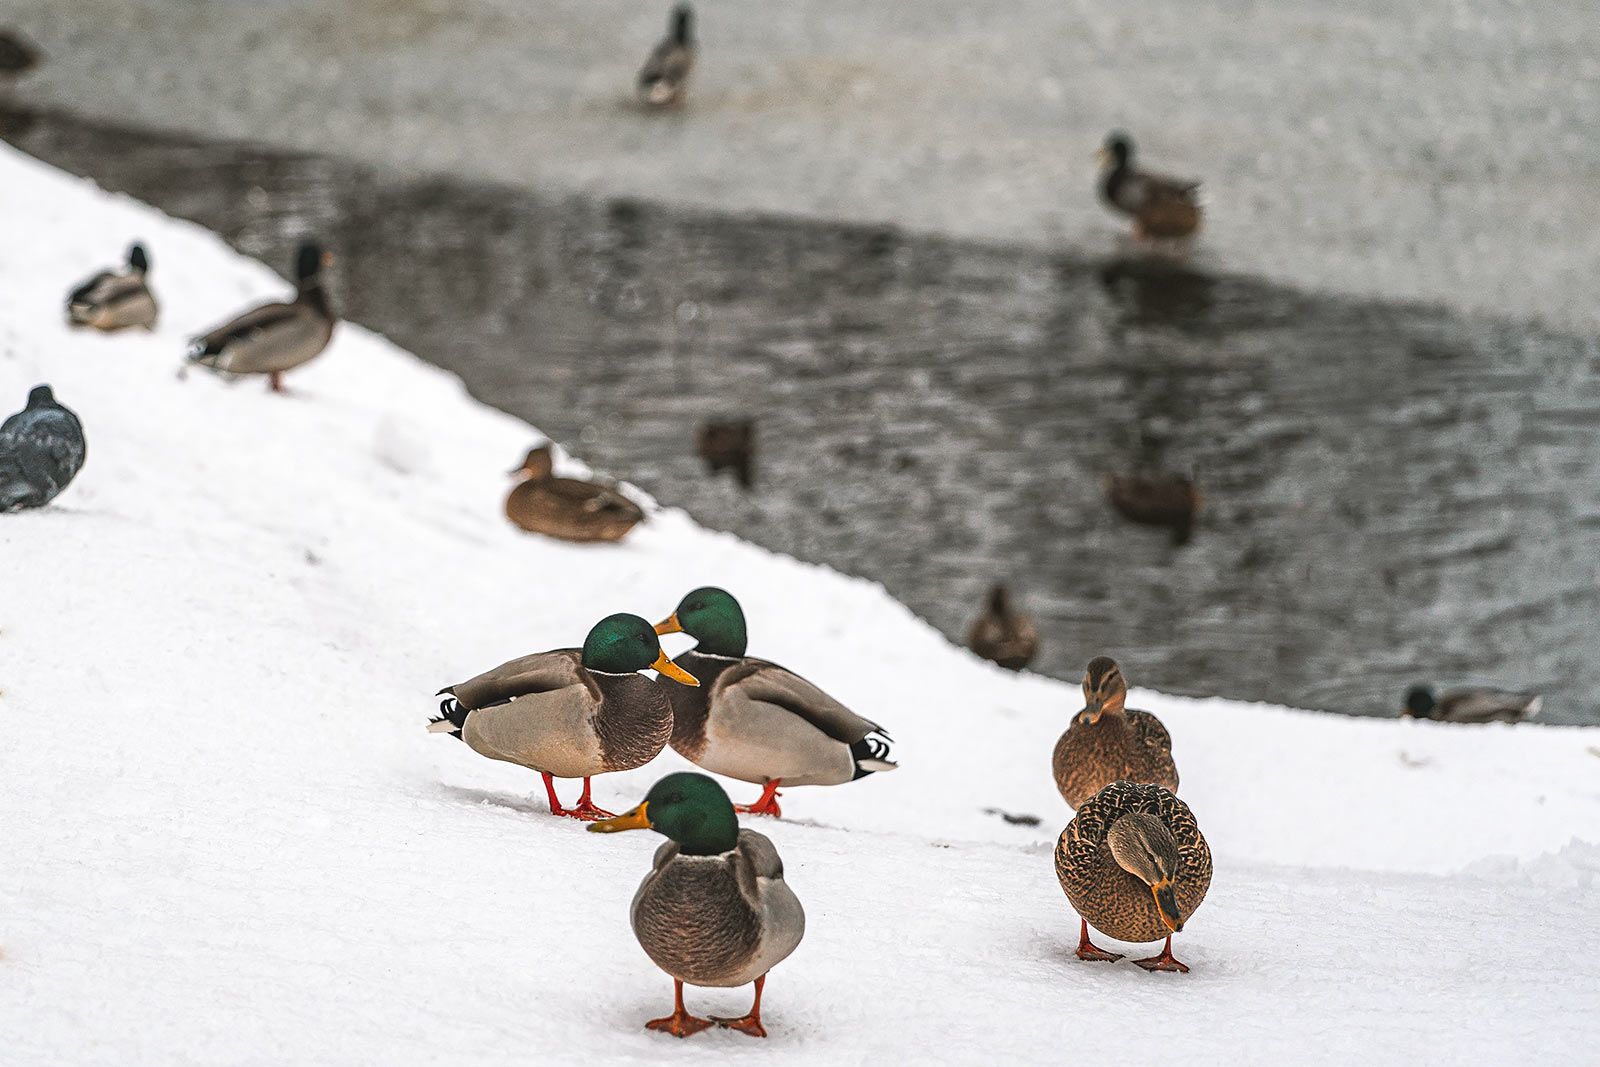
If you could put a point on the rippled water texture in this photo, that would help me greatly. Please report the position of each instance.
(1392, 493)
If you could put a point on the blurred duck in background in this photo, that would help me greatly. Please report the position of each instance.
(567, 508)
(116, 299)
(664, 79)
(1161, 208)
(1470, 705)
(1169, 501)
(275, 338)
(1003, 634)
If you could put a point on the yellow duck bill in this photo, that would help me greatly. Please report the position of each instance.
(636, 819)
(673, 671)
(669, 625)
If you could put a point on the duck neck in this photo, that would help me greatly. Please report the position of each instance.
(315, 296)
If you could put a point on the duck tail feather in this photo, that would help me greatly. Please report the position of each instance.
(871, 754)
(452, 717)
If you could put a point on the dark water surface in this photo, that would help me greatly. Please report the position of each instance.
(1393, 493)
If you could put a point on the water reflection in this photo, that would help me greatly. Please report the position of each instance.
(1392, 493)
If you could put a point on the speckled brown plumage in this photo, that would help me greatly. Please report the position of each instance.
(1129, 745)
(1114, 901)
(633, 720)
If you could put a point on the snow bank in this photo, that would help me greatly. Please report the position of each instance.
(227, 838)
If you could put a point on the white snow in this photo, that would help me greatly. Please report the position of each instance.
(225, 837)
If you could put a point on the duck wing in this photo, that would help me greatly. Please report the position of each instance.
(541, 672)
(668, 62)
(776, 685)
(1488, 705)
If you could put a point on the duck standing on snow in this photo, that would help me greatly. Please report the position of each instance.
(570, 713)
(664, 78)
(1164, 208)
(116, 299)
(1003, 634)
(755, 721)
(714, 909)
(1108, 742)
(1471, 705)
(275, 338)
(567, 508)
(41, 451)
(1135, 866)
(1169, 501)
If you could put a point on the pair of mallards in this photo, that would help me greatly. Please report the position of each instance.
(1132, 861)
(575, 713)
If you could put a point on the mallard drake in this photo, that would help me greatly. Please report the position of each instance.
(1108, 742)
(729, 445)
(570, 713)
(1135, 865)
(1169, 501)
(116, 299)
(664, 78)
(714, 909)
(274, 338)
(1003, 634)
(567, 508)
(1160, 207)
(1471, 705)
(41, 451)
(755, 721)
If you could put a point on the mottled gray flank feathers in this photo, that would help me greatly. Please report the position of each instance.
(41, 450)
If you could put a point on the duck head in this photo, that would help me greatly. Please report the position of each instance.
(1103, 688)
(690, 808)
(713, 618)
(682, 24)
(1117, 150)
(623, 644)
(1144, 847)
(1420, 702)
(308, 263)
(138, 259)
(540, 463)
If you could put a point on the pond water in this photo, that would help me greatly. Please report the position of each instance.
(1393, 493)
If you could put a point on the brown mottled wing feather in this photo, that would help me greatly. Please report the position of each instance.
(1152, 735)
(588, 496)
(768, 682)
(541, 672)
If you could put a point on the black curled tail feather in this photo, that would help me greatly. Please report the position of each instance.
(871, 754)
(451, 711)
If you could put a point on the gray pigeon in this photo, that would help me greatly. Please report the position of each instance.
(41, 451)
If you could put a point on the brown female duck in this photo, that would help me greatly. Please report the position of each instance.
(567, 508)
(1134, 865)
(1108, 742)
(1003, 634)
(1169, 501)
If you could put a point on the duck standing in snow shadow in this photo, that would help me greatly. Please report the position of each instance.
(664, 78)
(1135, 865)
(756, 721)
(274, 338)
(572, 712)
(116, 299)
(41, 451)
(567, 508)
(714, 909)
(1161, 208)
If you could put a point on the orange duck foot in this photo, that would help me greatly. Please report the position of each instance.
(1088, 950)
(1164, 962)
(767, 804)
(679, 1024)
(747, 1024)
